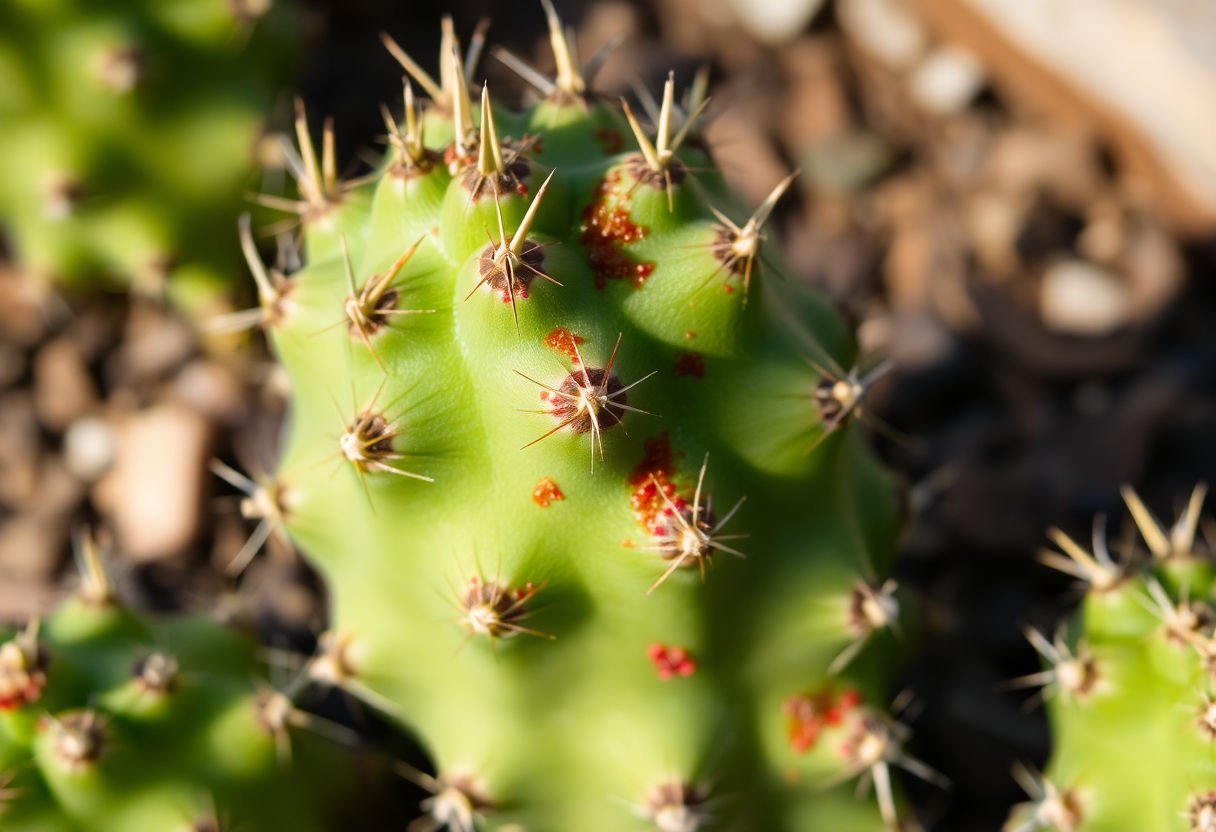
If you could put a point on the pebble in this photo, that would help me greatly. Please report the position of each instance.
(21, 600)
(29, 548)
(775, 20)
(154, 345)
(947, 80)
(846, 164)
(23, 307)
(815, 104)
(32, 541)
(1061, 163)
(888, 29)
(19, 449)
(1079, 298)
(212, 389)
(153, 495)
(994, 221)
(89, 448)
(63, 389)
(12, 364)
(747, 157)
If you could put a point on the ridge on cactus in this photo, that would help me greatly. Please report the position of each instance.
(597, 528)
(112, 720)
(130, 135)
(1128, 686)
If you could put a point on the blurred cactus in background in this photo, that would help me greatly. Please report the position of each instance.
(128, 137)
(1129, 687)
(117, 721)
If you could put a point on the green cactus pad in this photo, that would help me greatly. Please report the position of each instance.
(1129, 689)
(597, 526)
(128, 134)
(115, 721)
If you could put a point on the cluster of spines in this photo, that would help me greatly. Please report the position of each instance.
(457, 190)
(1129, 685)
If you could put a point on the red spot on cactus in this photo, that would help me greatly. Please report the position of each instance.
(546, 492)
(18, 698)
(649, 481)
(610, 141)
(671, 661)
(690, 364)
(605, 227)
(726, 287)
(808, 715)
(22, 672)
(563, 341)
(455, 162)
(836, 712)
(536, 144)
(689, 335)
(802, 723)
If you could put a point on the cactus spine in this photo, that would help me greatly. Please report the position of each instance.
(567, 449)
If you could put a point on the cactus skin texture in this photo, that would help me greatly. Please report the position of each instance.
(127, 138)
(525, 360)
(115, 721)
(1129, 689)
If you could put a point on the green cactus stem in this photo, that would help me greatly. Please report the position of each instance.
(111, 720)
(1129, 690)
(596, 520)
(129, 137)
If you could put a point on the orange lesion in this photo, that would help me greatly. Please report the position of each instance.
(606, 226)
(808, 715)
(546, 493)
(683, 530)
(651, 476)
(565, 342)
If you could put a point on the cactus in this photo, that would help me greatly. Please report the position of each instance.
(112, 720)
(1128, 686)
(577, 459)
(127, 138)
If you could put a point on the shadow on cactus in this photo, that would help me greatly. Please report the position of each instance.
(597, 526)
